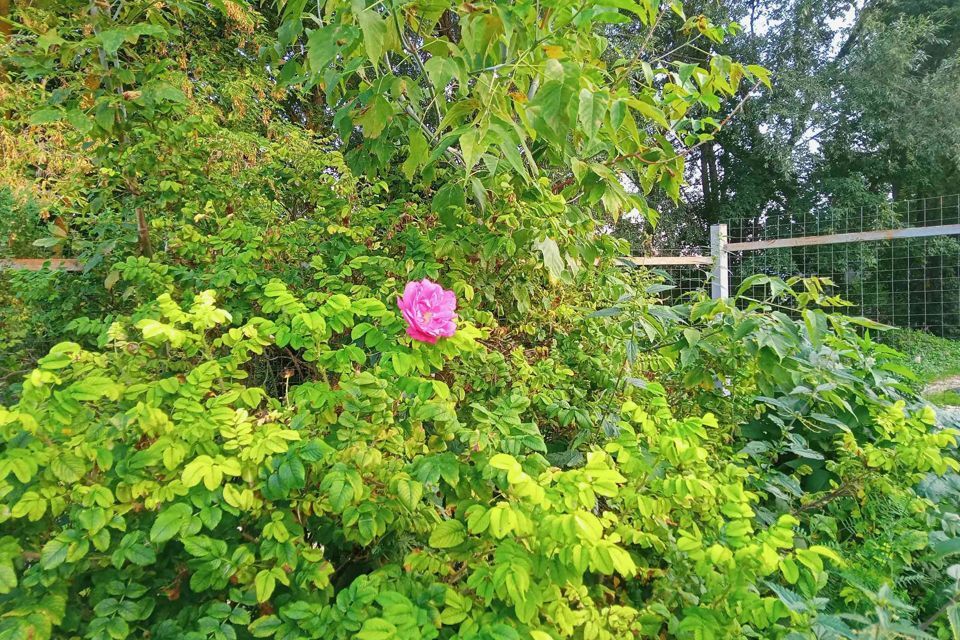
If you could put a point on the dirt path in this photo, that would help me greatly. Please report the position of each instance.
(947, 414)
(946, 384)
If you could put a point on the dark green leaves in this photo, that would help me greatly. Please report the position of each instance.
(447, 203)
(170, 522)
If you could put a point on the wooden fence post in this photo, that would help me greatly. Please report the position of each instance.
(720, 281)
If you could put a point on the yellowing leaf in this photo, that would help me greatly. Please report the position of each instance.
(447, 534)
(553, 51)
(196, 470)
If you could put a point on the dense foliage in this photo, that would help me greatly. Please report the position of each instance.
(220, 429)
(862, 113)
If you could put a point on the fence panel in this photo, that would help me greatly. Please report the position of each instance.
(684, 273)
(898, 263)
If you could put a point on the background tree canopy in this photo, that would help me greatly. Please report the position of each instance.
(220, 427)
(862, 112)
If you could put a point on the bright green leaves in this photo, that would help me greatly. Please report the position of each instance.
(210, 471)
(53, 554)
(447, 534)
(410, 492)
(377, 629)
(22, 463)
(591, 112)
(441, 69)
(93, 388)
(67, 467)
(456, 607)
(134, 548)
(473, 143)
(112, 39)
(448, 200)
(515, 93)
(31, 505)
(266, 581)
(417, 154)
(9, 551)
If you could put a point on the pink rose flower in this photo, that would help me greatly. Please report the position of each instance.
(429, 309)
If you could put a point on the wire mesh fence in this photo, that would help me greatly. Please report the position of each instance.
(680, 273)
(683, 279)
(909, 282)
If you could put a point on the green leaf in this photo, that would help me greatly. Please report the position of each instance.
(591, 113)
(375, 117)
(45, 116)
(377, 629)
(417, 153)
(111, 39)
(105, 116)
(118, 628)
(374, 29)
(456, 608)
(550, 108)
(322, 47)
(197, 471)
(53, 554)
(92, 388)
(8, 578)
(165, 92)
(953, 617)
(440, 71)
(49, 39)
(410, 492)
(790, 598)
(472, 144)
(650, 112)
(170, 521)
(264, 584)
(47, 242)
(447, 202)
(551, 257)
(140, 555)
(947, 547)
(339, 489)
(447, 534)
(265, 627)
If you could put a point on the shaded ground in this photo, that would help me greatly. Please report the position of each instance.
(945, 395)
(951, 383)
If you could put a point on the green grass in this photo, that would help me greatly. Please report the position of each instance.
(944, 398)
(930, 357)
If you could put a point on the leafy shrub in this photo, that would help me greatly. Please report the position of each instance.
(931, 357)
(163, 493)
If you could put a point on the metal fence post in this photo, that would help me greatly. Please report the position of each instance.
(721, 268)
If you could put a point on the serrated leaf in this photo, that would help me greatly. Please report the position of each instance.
(264, 584)
(447, 534)
(410, 492)
(377, 629)
(170, 521)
